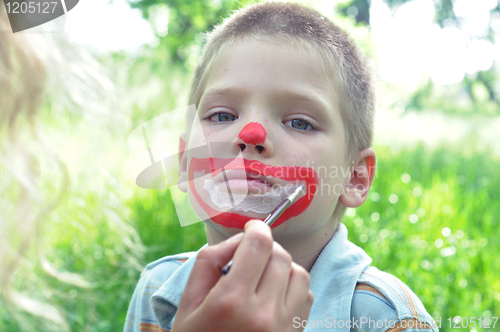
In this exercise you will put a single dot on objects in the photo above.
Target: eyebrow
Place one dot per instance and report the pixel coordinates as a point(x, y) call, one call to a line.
point(224, 92)
point(287, 96)
point(292, 97)
point(322, 111)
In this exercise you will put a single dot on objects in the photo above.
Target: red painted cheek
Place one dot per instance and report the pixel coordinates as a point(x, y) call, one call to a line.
point(253, 133)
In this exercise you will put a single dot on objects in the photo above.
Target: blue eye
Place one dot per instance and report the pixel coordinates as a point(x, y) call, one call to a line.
point(300, 124)
point(221, 117)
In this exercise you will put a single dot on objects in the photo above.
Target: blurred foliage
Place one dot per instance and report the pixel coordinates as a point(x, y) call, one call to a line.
point(479, 88)
point(358, 9)
point(187, 21)
point(158, 226)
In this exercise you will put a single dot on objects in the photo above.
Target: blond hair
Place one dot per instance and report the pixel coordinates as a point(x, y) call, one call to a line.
point(295, 23)
point(22, 82)
point(33, 177)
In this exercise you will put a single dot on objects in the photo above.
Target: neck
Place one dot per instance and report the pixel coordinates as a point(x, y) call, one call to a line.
point(304, 248)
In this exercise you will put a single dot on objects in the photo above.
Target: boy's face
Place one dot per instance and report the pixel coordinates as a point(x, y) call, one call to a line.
point(272, 103)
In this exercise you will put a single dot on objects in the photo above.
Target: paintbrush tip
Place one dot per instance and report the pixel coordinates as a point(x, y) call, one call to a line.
point(296, 193)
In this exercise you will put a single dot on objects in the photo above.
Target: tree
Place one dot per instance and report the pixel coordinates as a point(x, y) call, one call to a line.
point(187, 20)
point(446, 16)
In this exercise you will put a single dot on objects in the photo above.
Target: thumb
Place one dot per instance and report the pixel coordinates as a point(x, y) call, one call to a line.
point(206, 272)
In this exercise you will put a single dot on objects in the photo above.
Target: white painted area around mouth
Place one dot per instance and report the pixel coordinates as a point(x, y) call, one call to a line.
point(258, 203)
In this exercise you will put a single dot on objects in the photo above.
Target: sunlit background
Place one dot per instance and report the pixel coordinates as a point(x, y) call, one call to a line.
point(432, 55)
point(431, 218)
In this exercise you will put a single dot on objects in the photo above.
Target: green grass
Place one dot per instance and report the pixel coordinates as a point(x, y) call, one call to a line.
point(448, 254)
point(158, 226)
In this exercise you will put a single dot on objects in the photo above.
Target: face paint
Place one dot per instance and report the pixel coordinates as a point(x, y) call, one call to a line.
point(258, 203)
point(293, 174)
point(253, 133)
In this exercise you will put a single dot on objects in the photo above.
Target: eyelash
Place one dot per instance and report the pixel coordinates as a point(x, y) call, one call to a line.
point(209, 118)
point(307, 122)
point(309, 125)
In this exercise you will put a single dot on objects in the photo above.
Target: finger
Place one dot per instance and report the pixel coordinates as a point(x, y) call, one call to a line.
point(297, 294)
point(206, 271)
point(304, 313)
point(274, 281)
point(306, 309)
point(251, 257)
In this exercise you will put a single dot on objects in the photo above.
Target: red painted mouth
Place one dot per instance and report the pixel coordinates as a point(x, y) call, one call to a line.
point(287, 173)
point(242, 180)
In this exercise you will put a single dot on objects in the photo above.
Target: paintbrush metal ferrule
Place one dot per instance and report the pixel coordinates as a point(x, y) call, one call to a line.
point(278, 211)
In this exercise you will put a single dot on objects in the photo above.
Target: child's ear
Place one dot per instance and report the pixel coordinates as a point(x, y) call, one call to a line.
point(182, 182)
point(360, 181)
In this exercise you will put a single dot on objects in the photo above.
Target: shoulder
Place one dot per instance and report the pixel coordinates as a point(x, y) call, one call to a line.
point(167, 263)
point(152, 278)
point(156, 273)
point(382, 302)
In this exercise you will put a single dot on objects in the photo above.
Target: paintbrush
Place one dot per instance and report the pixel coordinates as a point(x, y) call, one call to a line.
point(273, 216)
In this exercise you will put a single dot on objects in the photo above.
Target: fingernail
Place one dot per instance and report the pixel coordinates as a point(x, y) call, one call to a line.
point(236, 237)
point(252, 221)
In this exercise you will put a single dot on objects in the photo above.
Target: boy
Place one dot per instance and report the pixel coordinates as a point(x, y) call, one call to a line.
point(290, 93)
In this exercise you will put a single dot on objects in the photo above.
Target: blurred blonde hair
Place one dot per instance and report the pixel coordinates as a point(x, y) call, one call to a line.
point(23, 79)
point(25, 204)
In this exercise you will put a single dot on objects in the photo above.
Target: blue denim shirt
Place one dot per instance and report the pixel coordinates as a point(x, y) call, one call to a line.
point(383, 304)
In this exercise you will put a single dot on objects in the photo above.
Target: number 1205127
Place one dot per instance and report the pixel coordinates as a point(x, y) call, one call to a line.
point(472, 322)
point(30, 7)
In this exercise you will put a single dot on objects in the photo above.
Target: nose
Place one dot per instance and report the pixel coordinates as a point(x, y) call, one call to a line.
point(252, 139)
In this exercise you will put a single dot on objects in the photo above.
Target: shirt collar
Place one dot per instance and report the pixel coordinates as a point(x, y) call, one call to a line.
point(166, 299)
point(334, 276)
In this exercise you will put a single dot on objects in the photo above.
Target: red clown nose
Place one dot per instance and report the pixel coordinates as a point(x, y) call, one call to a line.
point(253, 133)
